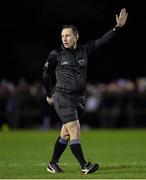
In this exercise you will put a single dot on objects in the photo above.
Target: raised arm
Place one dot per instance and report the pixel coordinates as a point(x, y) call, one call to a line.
point(120, 22)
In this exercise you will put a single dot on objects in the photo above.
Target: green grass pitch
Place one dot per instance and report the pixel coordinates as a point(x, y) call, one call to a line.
point(121, 154)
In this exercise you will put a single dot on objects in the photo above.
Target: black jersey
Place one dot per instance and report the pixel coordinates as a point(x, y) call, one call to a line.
point(69, 66)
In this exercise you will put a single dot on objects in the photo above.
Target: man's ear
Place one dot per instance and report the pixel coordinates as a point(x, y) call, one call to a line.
point(77, 37)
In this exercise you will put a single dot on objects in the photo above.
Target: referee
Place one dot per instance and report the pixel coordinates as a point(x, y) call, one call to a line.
point(69, 64)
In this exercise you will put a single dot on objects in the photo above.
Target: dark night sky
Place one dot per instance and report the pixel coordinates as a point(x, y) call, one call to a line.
point(30, 29)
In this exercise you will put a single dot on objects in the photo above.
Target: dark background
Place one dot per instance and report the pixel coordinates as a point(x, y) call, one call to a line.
point(30, 29)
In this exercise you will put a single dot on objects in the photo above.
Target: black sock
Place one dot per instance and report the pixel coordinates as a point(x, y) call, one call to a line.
point(59, 148)
point(77, 151)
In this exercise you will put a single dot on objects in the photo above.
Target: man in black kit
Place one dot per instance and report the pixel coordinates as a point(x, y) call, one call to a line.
point(69, 62)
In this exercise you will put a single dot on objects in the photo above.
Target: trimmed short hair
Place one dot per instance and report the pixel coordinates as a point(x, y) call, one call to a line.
point(74, 29)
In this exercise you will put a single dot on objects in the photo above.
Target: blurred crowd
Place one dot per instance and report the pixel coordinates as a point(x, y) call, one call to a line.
point(118, 103)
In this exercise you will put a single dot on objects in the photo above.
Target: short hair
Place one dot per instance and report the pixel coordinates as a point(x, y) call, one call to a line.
point(74, 29)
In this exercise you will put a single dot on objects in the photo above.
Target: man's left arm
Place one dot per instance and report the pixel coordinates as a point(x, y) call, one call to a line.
point(120, 22)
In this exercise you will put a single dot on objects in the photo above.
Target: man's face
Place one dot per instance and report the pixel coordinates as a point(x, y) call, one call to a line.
point(69, 39)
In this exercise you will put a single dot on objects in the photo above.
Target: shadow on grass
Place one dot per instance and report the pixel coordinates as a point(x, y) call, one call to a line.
point(117, 169)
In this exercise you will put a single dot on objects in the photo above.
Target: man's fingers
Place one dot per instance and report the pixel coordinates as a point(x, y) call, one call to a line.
point(49, 100)
point(117, 18)
point(123, 12)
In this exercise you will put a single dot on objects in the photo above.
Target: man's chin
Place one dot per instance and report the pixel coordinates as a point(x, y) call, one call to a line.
point(66, 46)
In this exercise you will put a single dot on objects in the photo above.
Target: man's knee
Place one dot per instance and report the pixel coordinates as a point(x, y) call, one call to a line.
point(73, 129)
point(64, 133)
point(65, 136)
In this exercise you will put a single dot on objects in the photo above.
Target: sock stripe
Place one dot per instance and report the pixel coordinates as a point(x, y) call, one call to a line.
point(74, 141)
point(63, 141)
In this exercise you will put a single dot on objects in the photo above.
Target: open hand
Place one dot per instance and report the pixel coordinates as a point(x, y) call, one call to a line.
point(121, 19)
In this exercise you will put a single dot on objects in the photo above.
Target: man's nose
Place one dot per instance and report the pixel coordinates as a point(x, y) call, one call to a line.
point(64, 38)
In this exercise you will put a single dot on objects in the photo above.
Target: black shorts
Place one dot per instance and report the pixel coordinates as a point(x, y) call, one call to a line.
point(69, 107)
